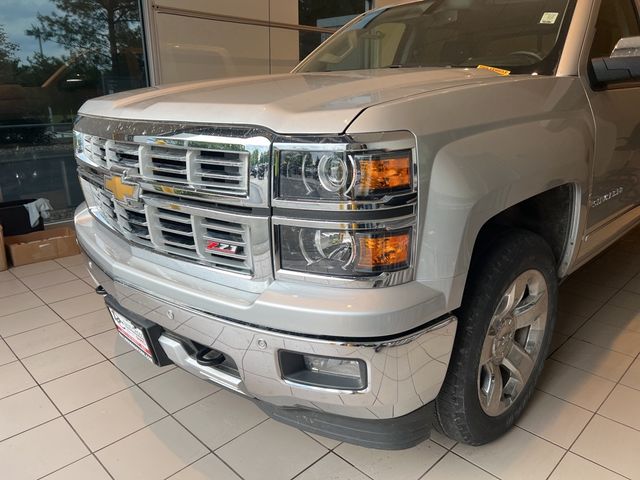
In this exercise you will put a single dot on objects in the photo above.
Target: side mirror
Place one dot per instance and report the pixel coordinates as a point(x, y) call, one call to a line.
point(622, 66)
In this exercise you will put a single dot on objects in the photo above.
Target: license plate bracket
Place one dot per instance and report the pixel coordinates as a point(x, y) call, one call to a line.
point(142, 334)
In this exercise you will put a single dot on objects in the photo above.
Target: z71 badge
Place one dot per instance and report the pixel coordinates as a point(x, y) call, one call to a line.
point(221, 247)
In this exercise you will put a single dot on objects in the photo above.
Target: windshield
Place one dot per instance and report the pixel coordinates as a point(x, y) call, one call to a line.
point(522, 36)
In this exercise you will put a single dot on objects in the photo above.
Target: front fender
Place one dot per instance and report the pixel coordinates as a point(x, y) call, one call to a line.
point(483, 149)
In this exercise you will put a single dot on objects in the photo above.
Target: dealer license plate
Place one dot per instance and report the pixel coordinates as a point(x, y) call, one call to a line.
point(133, 334)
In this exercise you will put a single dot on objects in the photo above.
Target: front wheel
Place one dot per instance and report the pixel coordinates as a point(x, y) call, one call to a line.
point(504, 332)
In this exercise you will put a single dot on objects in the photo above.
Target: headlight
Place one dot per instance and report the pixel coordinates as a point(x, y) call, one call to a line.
point(345, 208)
point(342, 176)
point(344, 253)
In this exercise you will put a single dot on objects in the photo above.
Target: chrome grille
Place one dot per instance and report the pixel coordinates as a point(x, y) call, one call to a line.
point(133, 221)
point(187, 163)
point(108, 153)
point(192, 232)
point(122, 154)
point(200, 192)
point(225, 169)
point(130, 221)
point(199, 235)
point(94, 149)
point(162, 163)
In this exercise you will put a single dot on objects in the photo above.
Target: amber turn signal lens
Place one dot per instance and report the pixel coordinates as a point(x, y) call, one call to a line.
point(385, 173)
point(384, 252)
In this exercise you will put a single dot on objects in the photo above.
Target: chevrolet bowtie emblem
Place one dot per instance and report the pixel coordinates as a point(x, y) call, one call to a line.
point(122, 192)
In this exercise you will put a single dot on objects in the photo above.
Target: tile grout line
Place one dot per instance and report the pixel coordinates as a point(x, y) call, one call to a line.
point(56, 314)
point(186, 466)
point(33, 329)
point(471, 463)
point(327, 453)
point(350, 463)
point(434, 464)
point(317, 441)
point(594, 414)
point(18, 392)
point(73, 463)
point(35, 292)
point(63, 417)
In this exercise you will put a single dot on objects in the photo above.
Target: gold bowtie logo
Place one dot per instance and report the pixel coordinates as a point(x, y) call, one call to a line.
point(121, 191)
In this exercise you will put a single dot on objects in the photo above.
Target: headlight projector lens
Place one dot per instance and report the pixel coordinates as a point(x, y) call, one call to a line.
point(318, 245)
point(333, 173)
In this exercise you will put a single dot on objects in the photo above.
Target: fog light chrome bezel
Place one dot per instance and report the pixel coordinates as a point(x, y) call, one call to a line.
point(294, 372)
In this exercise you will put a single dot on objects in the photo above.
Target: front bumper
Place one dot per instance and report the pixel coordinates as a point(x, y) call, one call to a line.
point(404, 372)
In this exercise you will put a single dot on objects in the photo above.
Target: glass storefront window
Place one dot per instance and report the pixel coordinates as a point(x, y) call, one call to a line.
point(327, 14)
point(55, 55)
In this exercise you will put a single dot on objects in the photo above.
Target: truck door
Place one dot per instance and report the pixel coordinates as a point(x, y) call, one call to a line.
point(616, 171)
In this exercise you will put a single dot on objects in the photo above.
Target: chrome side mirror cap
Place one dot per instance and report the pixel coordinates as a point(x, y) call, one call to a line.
point(627, 47)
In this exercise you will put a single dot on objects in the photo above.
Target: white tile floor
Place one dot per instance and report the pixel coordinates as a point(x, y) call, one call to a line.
point(77, 403)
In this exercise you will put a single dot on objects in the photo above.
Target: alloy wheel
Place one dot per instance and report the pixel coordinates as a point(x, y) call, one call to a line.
point(513, 342)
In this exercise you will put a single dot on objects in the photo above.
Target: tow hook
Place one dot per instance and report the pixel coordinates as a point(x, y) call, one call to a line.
point(209, 358)
point(101, 291)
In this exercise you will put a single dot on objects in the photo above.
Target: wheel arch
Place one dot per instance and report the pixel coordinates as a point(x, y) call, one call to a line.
point(552, 214)
point(558, 206)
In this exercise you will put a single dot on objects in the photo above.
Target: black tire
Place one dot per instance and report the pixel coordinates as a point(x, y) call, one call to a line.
point(459, 413)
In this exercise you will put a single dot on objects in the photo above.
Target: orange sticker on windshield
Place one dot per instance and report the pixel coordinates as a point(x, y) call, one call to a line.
point(499, 71)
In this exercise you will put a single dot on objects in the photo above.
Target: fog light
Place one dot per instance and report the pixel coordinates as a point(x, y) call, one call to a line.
point(324, 372)
point(332, 366)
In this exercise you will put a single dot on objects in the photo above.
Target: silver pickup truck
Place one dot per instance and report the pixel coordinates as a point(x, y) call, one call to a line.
point(371, 246)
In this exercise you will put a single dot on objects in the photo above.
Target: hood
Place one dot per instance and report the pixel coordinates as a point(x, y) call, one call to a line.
point(292, 103)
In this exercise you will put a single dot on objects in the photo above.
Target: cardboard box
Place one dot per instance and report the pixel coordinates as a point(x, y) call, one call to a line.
point(3, 254)
point(39, 246)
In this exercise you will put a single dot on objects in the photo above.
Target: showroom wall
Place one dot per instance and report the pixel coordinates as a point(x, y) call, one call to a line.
point(198, 39)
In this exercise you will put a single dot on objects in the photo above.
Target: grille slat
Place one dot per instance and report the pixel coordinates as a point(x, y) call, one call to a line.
point(225, 227)
point(178, 244)
point(169, 156)
point(136, 222)
point(218, 176)
point(172, 171)
point(220, 162)
point(177, 232)
point(172, 218)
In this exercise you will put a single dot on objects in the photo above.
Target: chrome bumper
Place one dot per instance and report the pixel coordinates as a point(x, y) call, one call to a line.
point(404, 372)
